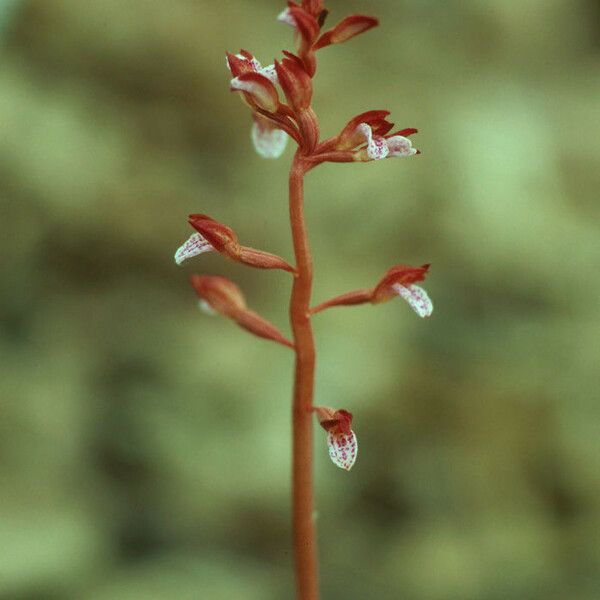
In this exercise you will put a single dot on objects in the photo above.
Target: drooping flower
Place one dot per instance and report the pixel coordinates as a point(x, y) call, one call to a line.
point(341, 440)
point(398, 281)
point(211, 235)
point(401, 281)
point(383, 146)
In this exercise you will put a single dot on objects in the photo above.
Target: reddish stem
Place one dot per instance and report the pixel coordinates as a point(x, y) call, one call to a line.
point(305, 547)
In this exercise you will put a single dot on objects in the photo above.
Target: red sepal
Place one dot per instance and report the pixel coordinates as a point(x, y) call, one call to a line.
point(237, 65)
point(295, 83)
point(308, 29)
point(222, 238)
point(346, 29)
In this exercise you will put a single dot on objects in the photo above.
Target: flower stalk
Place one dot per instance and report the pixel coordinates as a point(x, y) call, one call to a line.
point(280, 98)
point(305, 547)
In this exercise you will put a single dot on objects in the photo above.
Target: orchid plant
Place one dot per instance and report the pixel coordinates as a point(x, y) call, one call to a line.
point(365, 138)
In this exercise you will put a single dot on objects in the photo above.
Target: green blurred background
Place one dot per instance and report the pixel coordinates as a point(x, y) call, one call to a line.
point(145, 447)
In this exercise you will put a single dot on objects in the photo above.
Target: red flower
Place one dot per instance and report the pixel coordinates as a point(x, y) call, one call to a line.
point(212, 235)
point(398, 281)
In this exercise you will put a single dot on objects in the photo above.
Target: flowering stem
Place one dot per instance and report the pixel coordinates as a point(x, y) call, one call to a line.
point(305, 548)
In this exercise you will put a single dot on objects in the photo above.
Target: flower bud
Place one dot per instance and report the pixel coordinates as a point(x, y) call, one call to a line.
point(346, 29)
point(258, 91)
point(221, 294)
point(308, 29)
point(306, 24)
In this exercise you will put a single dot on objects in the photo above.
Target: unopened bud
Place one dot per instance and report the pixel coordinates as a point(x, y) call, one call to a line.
point(221, 294)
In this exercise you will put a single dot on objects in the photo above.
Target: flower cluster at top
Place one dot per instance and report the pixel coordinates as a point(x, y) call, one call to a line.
point(365, 138)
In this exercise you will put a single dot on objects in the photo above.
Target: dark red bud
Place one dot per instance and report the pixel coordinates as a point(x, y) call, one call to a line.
point(306, 24)
point(322, 17)
point(308, 29)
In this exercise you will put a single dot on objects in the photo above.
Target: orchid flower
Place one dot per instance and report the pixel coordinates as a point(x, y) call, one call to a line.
point(397, 281)
point(379, 147)
point(341, 440)
point(211, 235)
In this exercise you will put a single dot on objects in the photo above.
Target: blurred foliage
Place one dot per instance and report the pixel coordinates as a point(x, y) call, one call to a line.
point(145, 448)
